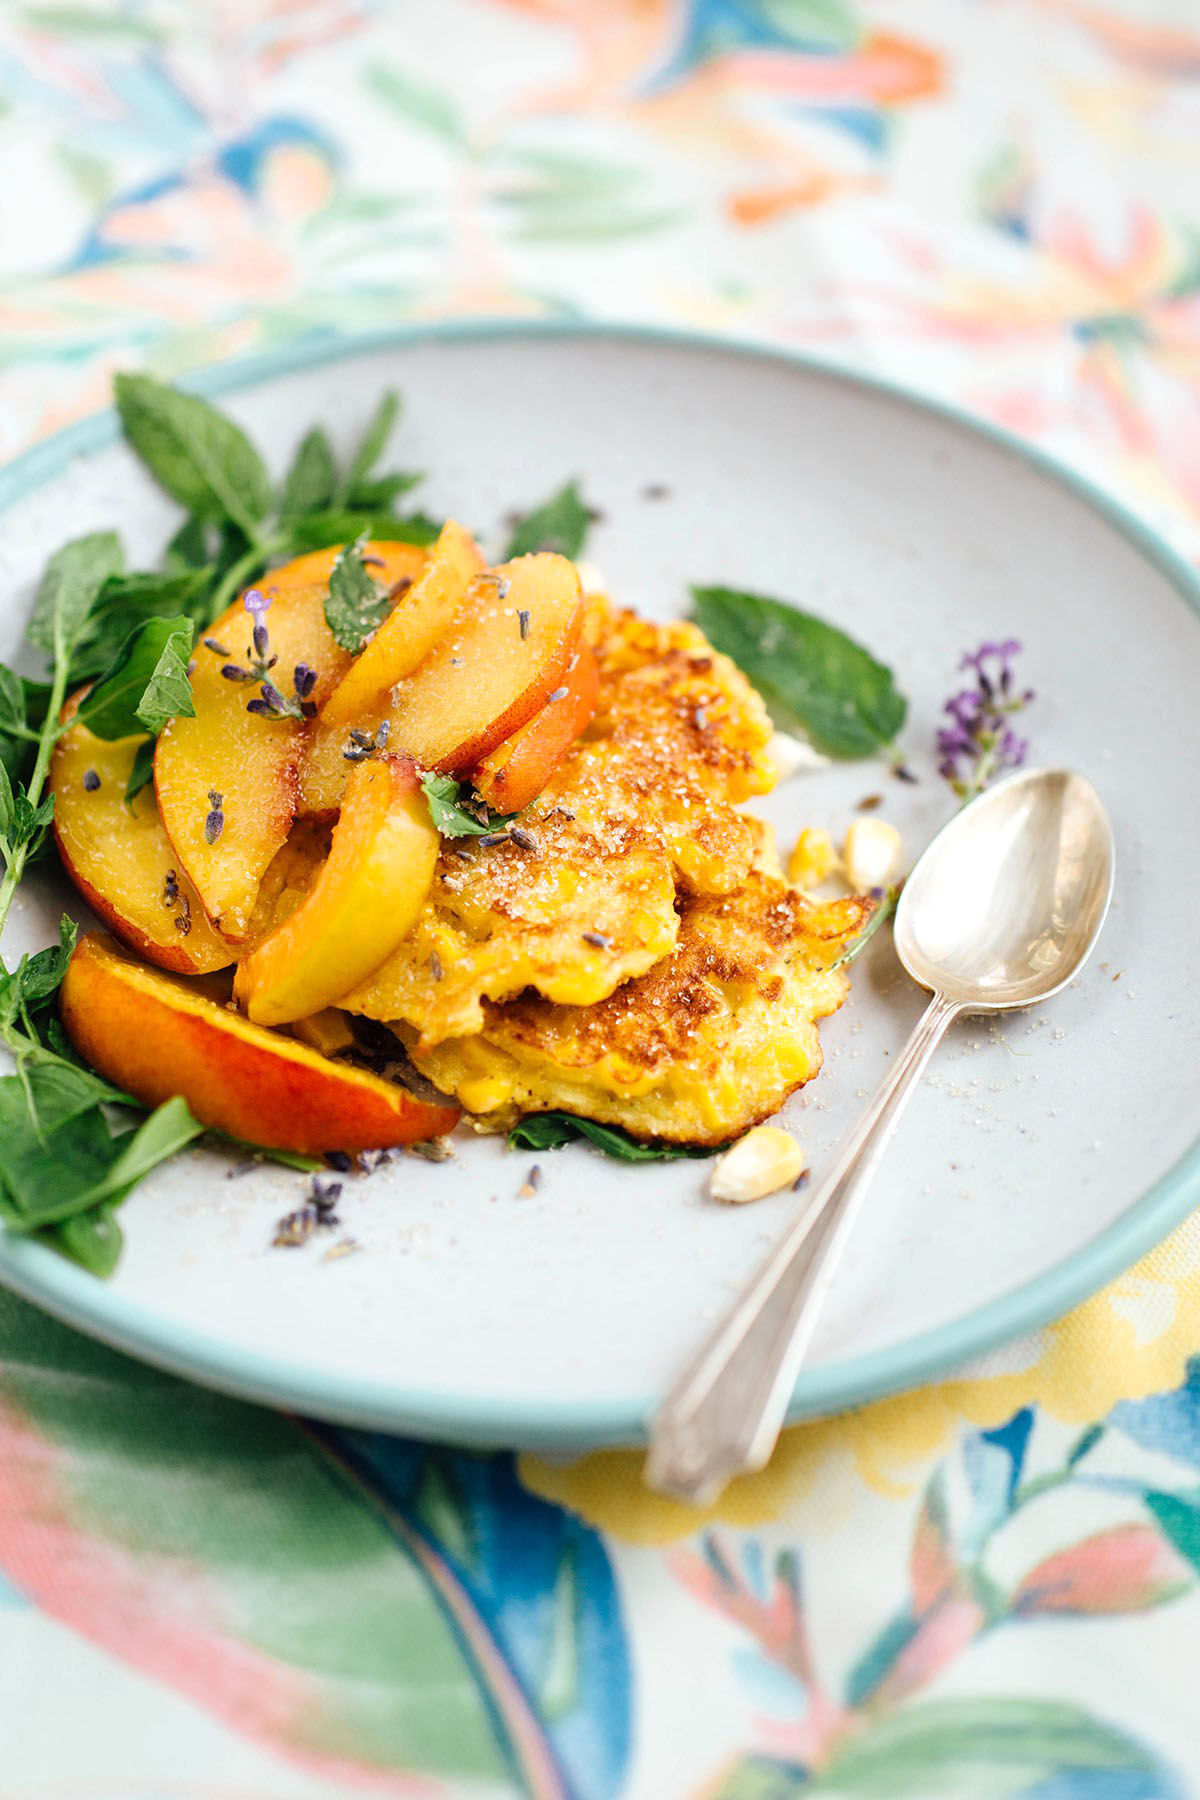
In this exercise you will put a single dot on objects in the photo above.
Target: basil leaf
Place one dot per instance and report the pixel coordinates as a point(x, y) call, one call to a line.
point(312, 478)
point(142, 772)
point(551, 1130)
point(146, 685)
point(371, 444)
point(92, 1238)
point(560, 523)
point(357, 605)
point(198, 455)
point(452, 819)
point(810, 674)
point(73, 579)
point(316, 531)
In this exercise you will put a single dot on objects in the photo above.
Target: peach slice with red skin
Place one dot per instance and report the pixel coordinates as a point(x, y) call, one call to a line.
point(154, 1036)
point(515, 773)
point(495, 668)
point(251, 762)
point(364, 899)
point(120, 858)
point(419, 617)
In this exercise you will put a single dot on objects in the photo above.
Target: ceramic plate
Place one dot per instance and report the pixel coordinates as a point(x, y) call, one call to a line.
point(1039, 1158)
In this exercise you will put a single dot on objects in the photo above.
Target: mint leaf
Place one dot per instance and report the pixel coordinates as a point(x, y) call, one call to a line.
point(73, 579)
point(316, 531)
point(188, 549)
point(142, 772)
point(312, 478)
point(29, 821)
point(40, 975)
point(92, 1238)
point(378, 493)
point(809, 673)
point(125, 599)
point(450, 815)
point(551, 1130)
point(193, 451)
point(371, 445)
point(357, 604)
point(146, 685)
point(560, 523)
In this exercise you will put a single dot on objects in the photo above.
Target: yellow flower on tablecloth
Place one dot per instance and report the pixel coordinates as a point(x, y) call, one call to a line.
point(1131, 1339)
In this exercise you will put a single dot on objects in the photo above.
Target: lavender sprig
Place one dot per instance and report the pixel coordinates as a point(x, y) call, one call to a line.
point(979, 742)
point(270, 701)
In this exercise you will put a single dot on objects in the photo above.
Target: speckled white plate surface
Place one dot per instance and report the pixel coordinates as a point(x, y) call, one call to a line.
point(1039, 1158)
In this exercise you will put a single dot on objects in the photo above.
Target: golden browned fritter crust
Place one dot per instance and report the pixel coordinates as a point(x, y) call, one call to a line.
point(708, 1042)
point(584, 898)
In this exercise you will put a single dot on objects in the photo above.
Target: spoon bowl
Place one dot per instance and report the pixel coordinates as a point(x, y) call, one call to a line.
point(1004, 906)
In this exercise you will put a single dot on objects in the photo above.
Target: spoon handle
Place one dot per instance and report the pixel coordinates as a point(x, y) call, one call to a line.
point(725, 1412)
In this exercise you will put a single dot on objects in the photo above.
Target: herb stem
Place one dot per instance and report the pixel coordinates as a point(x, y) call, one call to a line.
point(47, 738)
point(856, 946)
point(245, 568)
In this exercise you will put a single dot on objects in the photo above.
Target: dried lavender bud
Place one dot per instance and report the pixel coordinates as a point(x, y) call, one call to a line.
point(339, 1160)
point(214, 823)
point(183, 918)
point(434, 1150)
point(355, 753)
point(170, 893)
point(217, 649)
point(560, 693)
point(523, 622)
point(598, 940)
point(304, 680)
point(435, 965)
point(524, 838)
point(91, 780)
point(363, 739)
point(381, 733)
point(295, 1228)
point(235, 672)
point(492, 837)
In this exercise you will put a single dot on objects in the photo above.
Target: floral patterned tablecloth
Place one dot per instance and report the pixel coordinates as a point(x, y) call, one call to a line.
point(989, 1588)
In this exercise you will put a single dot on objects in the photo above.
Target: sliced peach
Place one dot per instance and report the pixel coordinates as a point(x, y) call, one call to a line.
point(251, 762)
point(419, 617)
point(495, 668)
point(154, 1036)
point(515, 773)
point(365, 898)
point(120, 858)
point(325, 768)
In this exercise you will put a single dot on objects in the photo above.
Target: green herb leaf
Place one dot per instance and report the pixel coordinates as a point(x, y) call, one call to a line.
point(28, 823)
point(6, 803)
point(198, 455)
point(92, 1238)
point(446, 809)
point(312, 479)
point(126, 599)
point(189, 548)
point(316, 531)
point(74, 577)
point(551, 1130)
point(357, 604)
point(560, 523)
point(146, 685)
point(40, 975)
point(377, 494)
point(810, 674)
point(142, 772)
point(371, 445)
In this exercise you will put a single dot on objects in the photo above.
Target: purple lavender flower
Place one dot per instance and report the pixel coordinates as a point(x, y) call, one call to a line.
point(979, 742)
point(214, 823)
point(257, 604)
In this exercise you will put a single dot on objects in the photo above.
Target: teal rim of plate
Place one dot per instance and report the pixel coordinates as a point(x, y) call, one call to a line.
point(84, 1301)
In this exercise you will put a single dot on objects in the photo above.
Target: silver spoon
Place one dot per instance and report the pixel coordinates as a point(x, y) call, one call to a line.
point(1001, 911)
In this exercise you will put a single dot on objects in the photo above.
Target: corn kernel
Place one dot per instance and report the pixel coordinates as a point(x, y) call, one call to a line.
point(813, 860)
point(766, 1159)
point(484, 1093)
point(871, 852)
